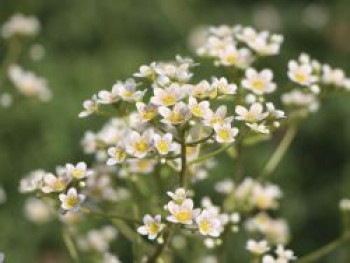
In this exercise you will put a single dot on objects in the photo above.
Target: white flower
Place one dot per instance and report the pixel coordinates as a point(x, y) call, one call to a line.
point(20, 25)
point(109, 97)
point(223, 87)
point(116, 155)
point(146, 71)
point(78, 171)
point(28, 83)
point(254, 114)
point(284, 254)
point(90, 106)
point(164, 144)
point(139, 145)
point(259, 82)
point(301, 99)
point(257, 247)
point(127, 90)
point(259, 128)
point(231, 56)
point(225, 133)
point(344, 205)
point(37, 211)
point(152, 226)
point(301, 73)
point(198, 109)
point(71, 200)
point(209, 224)
point(225, 186)
point(269, 259)
point(33, 181)
point(178, 196)
point(182, 213)
point(168, 96)
point(219, 117)
point(266, 197)
point(276, 114)
point(53, 183)
point(332, 76)
point(179, 114)
point(146, 111)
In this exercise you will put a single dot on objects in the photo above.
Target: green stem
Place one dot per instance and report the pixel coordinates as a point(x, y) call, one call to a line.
point(12, 54)
point(183, 160)
point(70, 245)
point(279, 152)
point(160, 248)
point(210, 155)
point(323, 251)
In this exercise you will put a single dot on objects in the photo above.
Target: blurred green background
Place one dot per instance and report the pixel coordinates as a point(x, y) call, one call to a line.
point(92, 43)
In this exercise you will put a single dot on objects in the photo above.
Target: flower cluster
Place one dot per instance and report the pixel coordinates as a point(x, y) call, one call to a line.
point(25, 82)
point(259, 248)
point(65, 184)
point(312, 81)
point(169, 125)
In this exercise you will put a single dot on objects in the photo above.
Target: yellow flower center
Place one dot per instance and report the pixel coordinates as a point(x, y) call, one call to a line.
point(258, 85)
point(119, 154)
point(72, 201)
point(59, 185)
point(175, 117)
point(263, 201)
point(148, 115)
point(153, 228)
point(197, 111)
point(163, 146)
point(224, 134)
point(183, 216)
point(300, 77)
point(168, 99)
point(141, 146)
point(232, 59)
point(216, 120)
point(128, 93)
point(204, 226)
point(78, 173)
point(250, 116)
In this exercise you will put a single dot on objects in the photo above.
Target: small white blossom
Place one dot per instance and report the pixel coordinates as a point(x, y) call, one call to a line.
point(182, 213)
point(259, 82)
point(223, 87)
point(164, 144)
point(257, 247)
point(276, 114)
point(116, 154)
point(152, 226)
point(53, 183)
point(232, 56)
point(225, 133)
point(284, 254)
point(254, 114)
point(168, 96)
point(71, 200)
point(225, 186)
point(20, 25)
point(179, 195)
point(147, 112)
point(259, 128)
point(218, 117)
point(198, 109)
point(301, 73)
point(139, 145)
point(37, 211)
point(144, 166)
point(78, 171)
point(179, 114)
point(127, 90)
point(90, 106)
point(209, 224)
